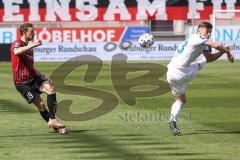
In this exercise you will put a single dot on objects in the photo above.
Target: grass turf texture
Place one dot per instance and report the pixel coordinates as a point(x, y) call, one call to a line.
point(210, 122)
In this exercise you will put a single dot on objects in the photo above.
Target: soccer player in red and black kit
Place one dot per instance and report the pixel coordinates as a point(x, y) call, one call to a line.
point(29, 81)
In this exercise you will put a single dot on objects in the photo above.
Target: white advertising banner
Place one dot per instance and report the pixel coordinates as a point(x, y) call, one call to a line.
point(229, 35)
point(161, 50)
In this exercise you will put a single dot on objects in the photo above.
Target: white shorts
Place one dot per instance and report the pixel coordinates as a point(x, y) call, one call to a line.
point(178, 80)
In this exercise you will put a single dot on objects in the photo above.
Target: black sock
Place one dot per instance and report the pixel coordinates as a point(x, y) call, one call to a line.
point(51, 101)
point(45, 115)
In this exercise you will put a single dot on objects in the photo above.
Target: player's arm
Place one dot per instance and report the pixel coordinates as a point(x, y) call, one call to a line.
point(212, 57)
point(222, 50)
point(22, 50)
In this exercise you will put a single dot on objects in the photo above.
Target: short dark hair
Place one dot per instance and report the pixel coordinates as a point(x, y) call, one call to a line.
point(205, 25)
point(24, 27)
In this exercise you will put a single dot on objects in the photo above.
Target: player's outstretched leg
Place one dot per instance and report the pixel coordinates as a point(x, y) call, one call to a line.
point(52, 103)
point(53, 123)
point(48, 88)
point(45, 115)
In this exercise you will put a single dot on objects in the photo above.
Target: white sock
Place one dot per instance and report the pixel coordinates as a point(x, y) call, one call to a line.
point(176, 109)
point(202, 63)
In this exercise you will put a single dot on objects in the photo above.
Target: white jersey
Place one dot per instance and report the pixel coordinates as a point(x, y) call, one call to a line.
point(187, 52)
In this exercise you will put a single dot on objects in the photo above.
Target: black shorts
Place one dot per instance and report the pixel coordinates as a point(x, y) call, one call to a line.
point(31, 89)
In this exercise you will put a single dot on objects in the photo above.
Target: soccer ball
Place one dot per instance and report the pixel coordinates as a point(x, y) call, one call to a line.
point(146, 40)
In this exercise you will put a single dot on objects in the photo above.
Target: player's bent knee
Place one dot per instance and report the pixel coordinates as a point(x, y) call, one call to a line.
point(183, 100)
point(51, 91)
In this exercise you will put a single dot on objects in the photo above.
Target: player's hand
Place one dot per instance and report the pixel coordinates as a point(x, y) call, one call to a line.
point(36, 43)
point(227, 47)
point(230, 57)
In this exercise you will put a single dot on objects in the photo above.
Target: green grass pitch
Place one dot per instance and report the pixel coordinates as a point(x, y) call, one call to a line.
point(209, 122)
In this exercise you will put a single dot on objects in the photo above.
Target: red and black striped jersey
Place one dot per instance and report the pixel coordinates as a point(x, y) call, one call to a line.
point(22, 65)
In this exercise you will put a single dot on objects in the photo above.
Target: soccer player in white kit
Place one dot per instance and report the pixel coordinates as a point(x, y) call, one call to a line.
point(183, 67)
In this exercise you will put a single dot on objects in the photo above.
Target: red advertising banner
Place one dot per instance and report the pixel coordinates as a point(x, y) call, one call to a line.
point(109, 10)
point(106, 34)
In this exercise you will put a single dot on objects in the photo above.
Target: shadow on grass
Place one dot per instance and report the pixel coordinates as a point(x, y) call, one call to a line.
point(214, 132)
point(13, 107)
point(214, 102)
point(52, 133)
point(89, 145)
point(204, 159)
point(219, 128)
point(26, 135)
point(85, 144)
